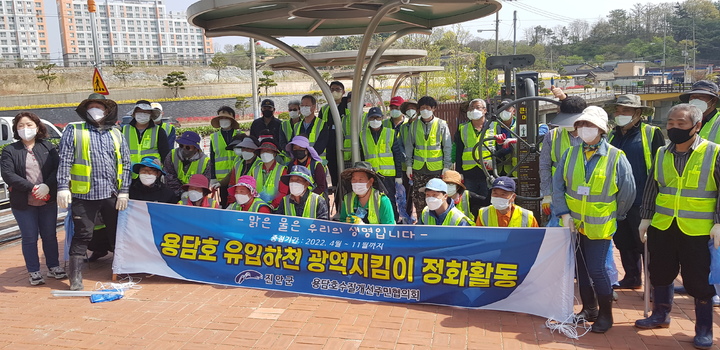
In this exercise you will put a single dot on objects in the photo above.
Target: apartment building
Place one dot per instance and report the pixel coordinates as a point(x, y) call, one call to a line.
point(23, 35)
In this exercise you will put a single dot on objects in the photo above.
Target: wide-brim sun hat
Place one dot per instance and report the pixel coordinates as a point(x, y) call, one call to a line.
point(150, 162)
point(632, 101)
point(298, 170)
point(302, 141)
point(596, 116)
point(215, 122)
point(702, 87)
point(245, 181)
point(268, 146)
point(246, 142)
point(404, 105)
point(454, 177)
point(198, 180)
point(147, 107)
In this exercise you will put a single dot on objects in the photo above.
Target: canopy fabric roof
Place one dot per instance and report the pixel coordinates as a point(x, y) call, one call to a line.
point(409, 70)
point(344, 58)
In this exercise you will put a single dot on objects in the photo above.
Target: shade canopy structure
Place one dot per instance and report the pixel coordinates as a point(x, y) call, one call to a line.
point(267, 20)
point(344, 58)
point(402, 72)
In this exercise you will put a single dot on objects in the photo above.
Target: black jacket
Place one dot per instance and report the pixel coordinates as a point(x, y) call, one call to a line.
point(12, 164)
point(158, 192)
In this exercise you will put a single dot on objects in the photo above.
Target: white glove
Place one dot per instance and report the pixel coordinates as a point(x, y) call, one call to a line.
point(715, 235)
point(64, 197)
point(444, 171)
point(41, 190)
point(214, 183)
point(398, 180)
point(184, 195)
point(488, 164)
point(545, 205)
point(568, 222)
point(409, 172)
point(644, 225)
point(122, 201)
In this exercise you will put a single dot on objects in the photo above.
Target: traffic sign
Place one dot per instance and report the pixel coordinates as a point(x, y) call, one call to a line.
point(98, 83)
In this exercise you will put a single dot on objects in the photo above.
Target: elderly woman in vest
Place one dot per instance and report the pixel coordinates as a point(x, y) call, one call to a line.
point(467, 202)
point(246, 197)
point(268, 171)
point(302, 201)
point(593, 187)
point(366, 202)
point(197, 193)
point(186, 160)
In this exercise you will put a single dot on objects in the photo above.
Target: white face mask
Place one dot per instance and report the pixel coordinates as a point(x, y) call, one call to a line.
point(147, 179)
point(142, 118)
point(247, 155)
point(426, 114)
point(337, 95)
point(296, 189)
point(267, 157)
point(588, 134)
point(433, 202)
point(305, 111)
point(699, 104)
point(225, 123)
point(395, 113)
point(410, 113)
point(505, 116)
point(622, 120)
point(96, 113)
point(194, 196)
point(452, 189)
point(294, 114)
point(27, 134)
point(375, 123)
point(360, 188)
point(475, 114)
point(500, 203)
point(242, 198)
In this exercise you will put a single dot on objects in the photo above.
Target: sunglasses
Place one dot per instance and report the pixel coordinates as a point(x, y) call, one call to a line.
point(294, 110)
point(187, 147)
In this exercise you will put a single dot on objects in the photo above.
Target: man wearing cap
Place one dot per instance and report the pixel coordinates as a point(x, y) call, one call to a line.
point(466, 201)
point(221, 158)
point(149, 186)
point(268, 121)
point(439, 209)
point(165, 124)
point(185, 161)
point(366, 203)
point(197, 192)
point(704, 95)
point(287, 126)
point(593, 188)
point(639, 141)
point(409, 110)
point(95, 155)
point(466, 139)
point(554, 144)
point(268, 171)
point(312, 127)
point(144, 138)
point(396, 116)
point(246, 197)
point(301, 201)
point(303, 154)
point(503, 212)
point(680, 214)
point(245, 147)
point(381, 148)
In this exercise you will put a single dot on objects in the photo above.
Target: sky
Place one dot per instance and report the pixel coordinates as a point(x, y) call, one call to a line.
point(548, 13)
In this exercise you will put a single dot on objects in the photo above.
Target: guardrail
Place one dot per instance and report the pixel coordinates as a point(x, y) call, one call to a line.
point(655, 88)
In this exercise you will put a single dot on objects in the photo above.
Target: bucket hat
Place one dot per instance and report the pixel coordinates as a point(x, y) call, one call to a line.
point(190, 138)
point(302, 141)
point(633, 101)
point(245, 181)
point(150, 162)
point(595, 115)
point(454, 177)
point(268, 146)
point(198, 180)
point(406, 103)
point(704, 87)
point(298, 170)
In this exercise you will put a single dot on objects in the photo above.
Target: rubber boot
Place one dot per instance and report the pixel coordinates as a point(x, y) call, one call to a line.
point(589, 311)
point(662, 305)
point(605, 317)
point(703, 324)
point(75, 272)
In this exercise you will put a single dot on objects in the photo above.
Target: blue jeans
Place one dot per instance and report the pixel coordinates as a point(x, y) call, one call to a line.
point(34, 222)
point(590, 261)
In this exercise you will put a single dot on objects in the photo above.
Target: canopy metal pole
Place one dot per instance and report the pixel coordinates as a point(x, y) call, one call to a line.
point(396, 86)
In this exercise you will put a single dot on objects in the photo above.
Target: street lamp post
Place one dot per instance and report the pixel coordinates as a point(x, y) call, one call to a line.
point(497, 31)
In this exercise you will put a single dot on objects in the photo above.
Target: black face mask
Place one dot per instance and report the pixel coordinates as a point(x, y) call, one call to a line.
point(187, 154)
point(267, 114)
point(677, 136)
point(299, 153)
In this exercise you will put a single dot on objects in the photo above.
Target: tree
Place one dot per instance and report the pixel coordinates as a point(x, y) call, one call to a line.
point(219, 62)
point(122, 70)
point(327, 76)
point(267, 82)
point(46, 75)
point(481, 83)
point(175, 81)
point(242, 104)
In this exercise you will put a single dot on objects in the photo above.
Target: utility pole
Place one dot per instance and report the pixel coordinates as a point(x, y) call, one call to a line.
point(253, 75)
point(96, 49)
point(515, 32)
point(664, 37)
point(497, 33)
point(692, 75)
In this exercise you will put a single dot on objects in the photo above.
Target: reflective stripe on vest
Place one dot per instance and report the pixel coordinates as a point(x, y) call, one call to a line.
point(596, 212)
point(373, 205)
point(428, 151)
point(453, 218)
point(465, 205)
point(147, 146)
point(286, 127)
point(558, 145)
point(315, 129)
point(82, 168)
point(520, 217)
point(690, 198)
point(267, 184)
point(240, 165)
point(309, 209)
point(646, 135)
point(379, 154)
point(470, 138)
point(254, 206)
point(207, 202)
point(196, 167)
point(711, 130)
point(224, 159)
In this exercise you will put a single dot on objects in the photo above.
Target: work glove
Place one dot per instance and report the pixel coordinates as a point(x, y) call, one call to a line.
point(444, 171)
point(409, 172)
point(64, 198)
point(122, 201)
point(715, 235)
point(545, 204)
point(500, 138)
point(568, 222)
point(488, 164)
point(398, 180)
point(558, 92)
point(643, 228)
point(509, 142)
point(214, 183)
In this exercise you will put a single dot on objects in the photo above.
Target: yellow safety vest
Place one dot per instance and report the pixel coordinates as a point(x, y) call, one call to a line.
point(691, 198)
point(267, 183)
point(147, 147)
point(464, 205)
point(254, 206)
point(470, 138)
point(520, 217)
point(711, 130)
point(373, 205)
point(82, 168)
point(286, 127)
point(453, 218)
point(507, 167)
point(379, 154)
point(240, 166)
point(196, 167)
point(224, 159)
point(388, 123)
point(595, 212)
point(428, 149)
point(309, 209)
point(558, 145)
point(646, 134)
point(169, 129)
point(315, 129)
point(346, 122)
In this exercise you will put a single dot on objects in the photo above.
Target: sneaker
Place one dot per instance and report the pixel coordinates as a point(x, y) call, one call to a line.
point(57, 272)
point(36, 278)
point(716, 301)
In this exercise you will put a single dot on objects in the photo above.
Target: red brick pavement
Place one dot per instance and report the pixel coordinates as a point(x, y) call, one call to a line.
point(172, 314)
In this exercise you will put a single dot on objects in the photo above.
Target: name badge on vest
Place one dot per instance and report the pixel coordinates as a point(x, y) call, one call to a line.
point(583, 190)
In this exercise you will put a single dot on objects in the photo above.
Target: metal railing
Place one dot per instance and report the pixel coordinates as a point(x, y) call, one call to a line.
point(655, 88)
